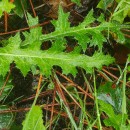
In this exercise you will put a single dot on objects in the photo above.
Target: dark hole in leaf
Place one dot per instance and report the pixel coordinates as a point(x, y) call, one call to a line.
point(70, 45)
point(46, 45)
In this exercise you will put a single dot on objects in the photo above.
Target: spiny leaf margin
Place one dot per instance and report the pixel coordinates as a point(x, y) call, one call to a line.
point(95, 34)
point(25, 58)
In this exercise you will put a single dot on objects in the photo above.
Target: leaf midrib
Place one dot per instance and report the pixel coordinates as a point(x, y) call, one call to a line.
point(70, 32)
point(56, 58)
point(38, 57)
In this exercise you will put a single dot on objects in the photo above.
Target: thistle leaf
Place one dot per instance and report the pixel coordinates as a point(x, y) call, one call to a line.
point(94, 35)
point(27, 53)
point(25, 58)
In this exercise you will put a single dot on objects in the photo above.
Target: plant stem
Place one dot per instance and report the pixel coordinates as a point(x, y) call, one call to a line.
point(96, 102)
point(124, 94)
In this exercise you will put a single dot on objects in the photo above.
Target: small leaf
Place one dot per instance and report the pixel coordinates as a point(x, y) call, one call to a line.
point(77, 2)
point(123, 11)
point(5, 5)
point(107, 108)
point(113, 119)
point(33, 120)
point(111, 95)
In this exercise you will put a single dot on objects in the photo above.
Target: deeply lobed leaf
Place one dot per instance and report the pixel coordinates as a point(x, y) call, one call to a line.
point(86, 33)
point(25, 58)
point(27, 53)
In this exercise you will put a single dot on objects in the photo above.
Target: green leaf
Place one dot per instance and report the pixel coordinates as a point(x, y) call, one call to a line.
point(113, 119)
point(111, 95)
point(83, 41)
point(104, 4)
point(123, 10)
point(62, 23)
point(27, 53)
point(5, 5)
point(95, 35)
point(107, 108)
point(76, 1)
point(33, 120)
point(25, 58)
point(6, 119)
point(97, 39)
